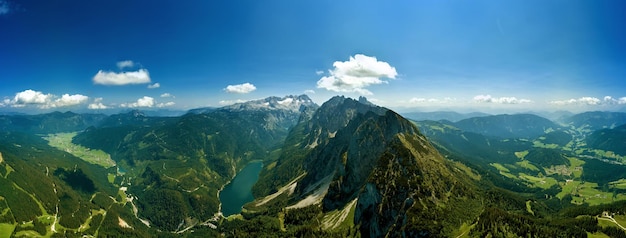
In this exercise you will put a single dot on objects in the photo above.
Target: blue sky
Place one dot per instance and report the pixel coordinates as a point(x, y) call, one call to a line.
point(407, 55)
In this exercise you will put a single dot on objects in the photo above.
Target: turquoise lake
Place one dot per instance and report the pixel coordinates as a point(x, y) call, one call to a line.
point(239, 191)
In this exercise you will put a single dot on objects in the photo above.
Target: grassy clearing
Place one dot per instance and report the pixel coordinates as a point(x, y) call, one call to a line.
point(576, 166)
point(603, 222)
point(597, 235)
point(521, 154)
point(544, 182)
point(620, 184)
point(63, 141)
point(529, 207)
point(542, 145)
point(621, 219)
point(527, 165)
point(111, 178)
point(567, 188)
point(6, 230)
point(592, 196)
point(500, 167)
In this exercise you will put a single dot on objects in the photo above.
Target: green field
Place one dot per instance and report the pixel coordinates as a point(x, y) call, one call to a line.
point(63, 141)
point(527, 165)
point(500, 167)
point(544, 182)
point(567, 188)
point(576, 166)
point(619, 184)
point(592, 196)
point(521, 154)
point(597, 235)
point(6, 230)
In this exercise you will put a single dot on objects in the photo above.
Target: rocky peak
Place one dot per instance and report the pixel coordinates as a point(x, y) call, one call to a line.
point(288, 103)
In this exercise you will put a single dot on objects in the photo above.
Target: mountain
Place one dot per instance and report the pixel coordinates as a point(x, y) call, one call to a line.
point(347, 168)
point(596, 120)
point(355, 157)
point(442, 115)
point(177, 165)
point(54, 122)
point(508, 126)
point(133, 118)
point(609, 140)
point(287, 103)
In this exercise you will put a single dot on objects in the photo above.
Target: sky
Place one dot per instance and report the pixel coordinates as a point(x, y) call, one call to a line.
point(482, 55)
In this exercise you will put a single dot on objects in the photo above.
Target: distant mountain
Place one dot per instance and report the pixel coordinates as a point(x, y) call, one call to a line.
point(609, 140)
point(442, 115)
point(352, 156)
point(288, 103)
point(508, 126)
point(54, 122)
point(202, 110)
point(553, 115)
point(596, 120)
point(133, 118)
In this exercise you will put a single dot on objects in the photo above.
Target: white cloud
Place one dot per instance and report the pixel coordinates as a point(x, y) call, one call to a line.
point(356, 74)
point(500, 100)
point(44, 101)
point(32, 97)
point(167, 95)
point(155, 85)
point(319, 72)
point(97, 104)
point(111, 78)
point(70, 100)
point(167, 104)
point(142, 102)
point(240, 88)
point(309, 91)
point(591, 101)
point(230, 102)
point(125, 64)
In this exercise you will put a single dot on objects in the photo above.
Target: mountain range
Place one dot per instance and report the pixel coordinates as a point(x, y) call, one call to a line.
point(343, 168)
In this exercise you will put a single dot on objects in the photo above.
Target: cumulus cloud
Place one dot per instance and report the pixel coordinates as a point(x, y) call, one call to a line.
point(167, 95)
point(70, 100)
point(591, 101)
point(125, 64)
point(309, 91)
point(356, 74)
point(97, 104)
point(500, 100)
point(31, 97)
point(140, 76)
point(155, 85)
point(145, 101)
point(240, 88)
point(167, 104)
point(44, 101)
point(319, 72)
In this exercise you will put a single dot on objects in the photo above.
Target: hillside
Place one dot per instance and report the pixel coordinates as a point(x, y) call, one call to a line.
point(375, 163)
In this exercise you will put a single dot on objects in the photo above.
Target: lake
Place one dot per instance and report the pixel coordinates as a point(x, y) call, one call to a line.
point(239, 191)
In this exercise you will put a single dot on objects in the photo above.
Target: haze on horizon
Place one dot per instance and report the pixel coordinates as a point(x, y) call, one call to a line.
point(489, 56)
